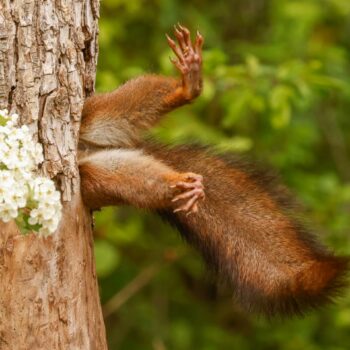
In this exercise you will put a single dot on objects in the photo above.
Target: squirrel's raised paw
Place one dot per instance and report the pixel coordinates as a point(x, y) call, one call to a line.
point(188, 59)
point(192, 190)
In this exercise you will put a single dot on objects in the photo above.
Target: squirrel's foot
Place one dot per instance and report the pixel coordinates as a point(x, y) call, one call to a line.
point(192, 191)
point(189, 60)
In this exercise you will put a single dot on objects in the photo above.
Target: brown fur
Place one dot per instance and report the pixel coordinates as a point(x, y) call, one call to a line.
point(253, 239)
point(117, 118)
point(150, 183)
point(245, 228)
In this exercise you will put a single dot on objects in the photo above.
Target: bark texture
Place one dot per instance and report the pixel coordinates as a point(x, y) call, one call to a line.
point(49, 294)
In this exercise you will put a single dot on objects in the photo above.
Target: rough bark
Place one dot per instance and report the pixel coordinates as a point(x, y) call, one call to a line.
point(49, 294)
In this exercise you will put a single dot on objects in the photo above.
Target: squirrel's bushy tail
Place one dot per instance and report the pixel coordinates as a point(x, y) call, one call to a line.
point(249, 235)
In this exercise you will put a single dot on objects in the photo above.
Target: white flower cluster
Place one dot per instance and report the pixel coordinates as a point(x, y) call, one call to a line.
point(30, 199)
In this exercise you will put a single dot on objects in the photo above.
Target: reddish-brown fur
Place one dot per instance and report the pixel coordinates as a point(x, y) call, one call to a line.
point(251, 237)
point(150, 183)
point(245, 227)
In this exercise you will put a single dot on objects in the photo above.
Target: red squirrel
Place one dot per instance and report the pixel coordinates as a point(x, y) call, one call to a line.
point(240, 220)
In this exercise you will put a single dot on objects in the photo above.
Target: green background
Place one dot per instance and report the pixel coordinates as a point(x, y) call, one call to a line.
point(276, 88)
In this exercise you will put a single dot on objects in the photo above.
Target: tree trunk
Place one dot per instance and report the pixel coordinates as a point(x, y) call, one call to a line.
point(49, 295)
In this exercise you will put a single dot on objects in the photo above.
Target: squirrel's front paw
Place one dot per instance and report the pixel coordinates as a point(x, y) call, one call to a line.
point(192, 190)
point(189, 60)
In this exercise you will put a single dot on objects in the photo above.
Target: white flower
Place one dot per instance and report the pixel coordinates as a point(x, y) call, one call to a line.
point(35, 217)
point(52, 223)
point(7, 212)
point(19, 186)
point(5, 130)
point(4, 113)
point(6, 178)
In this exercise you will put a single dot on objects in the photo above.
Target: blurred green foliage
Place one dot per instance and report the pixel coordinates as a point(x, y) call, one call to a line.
point(276, 88)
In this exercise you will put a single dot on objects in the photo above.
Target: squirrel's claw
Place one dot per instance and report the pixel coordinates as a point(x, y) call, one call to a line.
point(188, 194)
point(189, 56)
point(188, 60)
point(193, 191)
